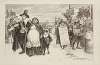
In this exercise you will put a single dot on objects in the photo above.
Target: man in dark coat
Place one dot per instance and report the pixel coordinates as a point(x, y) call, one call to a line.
point(22, 37)
point(23, 33)
point(57, 20)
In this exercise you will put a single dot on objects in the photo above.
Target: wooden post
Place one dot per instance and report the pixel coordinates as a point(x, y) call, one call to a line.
point(91, 11)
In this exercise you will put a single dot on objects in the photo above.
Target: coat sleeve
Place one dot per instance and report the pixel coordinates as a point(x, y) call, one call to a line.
point(40, 29)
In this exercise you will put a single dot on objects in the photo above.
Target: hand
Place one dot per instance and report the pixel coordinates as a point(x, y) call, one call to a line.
point(41, 36)
point(11, 29)
point(15, 25)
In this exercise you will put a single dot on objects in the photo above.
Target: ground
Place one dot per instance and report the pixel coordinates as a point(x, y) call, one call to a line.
point(57, 56)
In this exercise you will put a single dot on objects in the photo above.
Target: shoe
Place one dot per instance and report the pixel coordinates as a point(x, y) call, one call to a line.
point(48, 52)
point(30, 55)
point(73, 48)
point(22, 52)
point(78, 47)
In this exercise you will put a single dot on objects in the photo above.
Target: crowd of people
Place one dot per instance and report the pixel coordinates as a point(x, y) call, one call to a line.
point(35, 40)
point(76, 32)
point(29, 35)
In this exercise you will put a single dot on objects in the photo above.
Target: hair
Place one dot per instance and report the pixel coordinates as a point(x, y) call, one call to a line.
point(62, 22)
point(25, 10)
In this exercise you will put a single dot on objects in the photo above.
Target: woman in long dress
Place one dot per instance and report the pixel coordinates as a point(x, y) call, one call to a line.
point(33, 40)
point(13, 28)
point(64, 37)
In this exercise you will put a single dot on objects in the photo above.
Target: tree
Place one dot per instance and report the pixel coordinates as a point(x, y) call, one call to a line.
point(83, 12)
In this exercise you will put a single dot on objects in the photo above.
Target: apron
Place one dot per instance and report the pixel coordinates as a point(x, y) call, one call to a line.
point(64, 37)
point(33, 38)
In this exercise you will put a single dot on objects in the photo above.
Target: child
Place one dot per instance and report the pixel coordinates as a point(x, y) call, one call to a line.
point(46, 41)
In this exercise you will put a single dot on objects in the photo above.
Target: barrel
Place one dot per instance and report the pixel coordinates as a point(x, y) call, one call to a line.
point(89, 42)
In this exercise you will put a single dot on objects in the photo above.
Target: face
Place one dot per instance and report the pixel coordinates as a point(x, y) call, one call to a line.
point(35, 21)
point(23, 17)
point(57, 20)
point(46, 33)
point(62, 24)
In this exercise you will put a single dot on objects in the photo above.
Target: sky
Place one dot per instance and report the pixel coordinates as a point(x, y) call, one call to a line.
point(44, 12)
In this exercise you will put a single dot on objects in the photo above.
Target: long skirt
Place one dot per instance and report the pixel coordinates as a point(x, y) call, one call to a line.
point(15, 45)
point(33, 42)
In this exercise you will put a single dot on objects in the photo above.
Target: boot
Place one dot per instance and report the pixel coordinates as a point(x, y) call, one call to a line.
point(30, 52)
point(21, 52)
point(27, 51)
